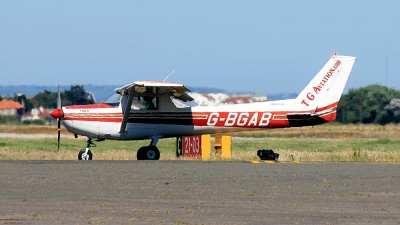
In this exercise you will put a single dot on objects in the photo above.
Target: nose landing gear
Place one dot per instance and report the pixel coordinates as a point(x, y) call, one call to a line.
point(86, 154)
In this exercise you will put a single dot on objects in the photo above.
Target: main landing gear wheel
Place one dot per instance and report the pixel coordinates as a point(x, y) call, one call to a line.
point(85, 156)
point(148, 153)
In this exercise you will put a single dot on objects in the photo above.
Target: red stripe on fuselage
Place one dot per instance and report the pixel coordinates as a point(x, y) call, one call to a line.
point(92, 106)
point(97, 119)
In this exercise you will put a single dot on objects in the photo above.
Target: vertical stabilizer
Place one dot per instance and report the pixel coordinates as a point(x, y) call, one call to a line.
point(326, 88)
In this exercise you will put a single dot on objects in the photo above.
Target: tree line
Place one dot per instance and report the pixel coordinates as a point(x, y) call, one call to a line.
point(76, 95)
point(373, 104)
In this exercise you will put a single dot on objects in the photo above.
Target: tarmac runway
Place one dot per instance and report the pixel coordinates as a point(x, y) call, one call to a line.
point(194, 192)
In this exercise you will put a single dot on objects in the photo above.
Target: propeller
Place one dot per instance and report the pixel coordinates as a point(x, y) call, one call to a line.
point(58, 114)
point(58, 119)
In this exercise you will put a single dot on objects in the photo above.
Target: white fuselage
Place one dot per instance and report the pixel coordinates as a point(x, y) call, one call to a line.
point(147, 109)
point(104, 122)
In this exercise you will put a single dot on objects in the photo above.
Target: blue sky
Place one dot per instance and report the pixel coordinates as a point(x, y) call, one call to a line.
point(261, 46)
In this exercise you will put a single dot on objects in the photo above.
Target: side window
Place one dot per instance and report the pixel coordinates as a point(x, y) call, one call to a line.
point(144, 103)
point(137, 104)
point(150, 103)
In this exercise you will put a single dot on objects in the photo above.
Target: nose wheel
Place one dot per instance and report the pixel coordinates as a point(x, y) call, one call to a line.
point(86, 154)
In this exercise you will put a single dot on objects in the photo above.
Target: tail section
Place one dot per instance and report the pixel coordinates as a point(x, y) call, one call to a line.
point(326, 88)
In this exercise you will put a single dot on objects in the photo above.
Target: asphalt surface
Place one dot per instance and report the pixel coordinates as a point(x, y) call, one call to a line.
point(191, 192)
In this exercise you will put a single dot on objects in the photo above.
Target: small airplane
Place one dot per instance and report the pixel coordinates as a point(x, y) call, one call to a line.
point(159, 109)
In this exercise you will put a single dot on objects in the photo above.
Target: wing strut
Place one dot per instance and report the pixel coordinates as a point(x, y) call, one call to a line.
point(126, 112)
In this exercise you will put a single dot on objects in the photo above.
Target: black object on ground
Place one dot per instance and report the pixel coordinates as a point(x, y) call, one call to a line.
point(267, 154)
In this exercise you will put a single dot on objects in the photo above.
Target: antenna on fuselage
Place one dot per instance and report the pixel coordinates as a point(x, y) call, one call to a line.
point(170, 73)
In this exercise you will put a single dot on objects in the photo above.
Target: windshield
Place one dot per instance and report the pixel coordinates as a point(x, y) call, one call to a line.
point(113, 99)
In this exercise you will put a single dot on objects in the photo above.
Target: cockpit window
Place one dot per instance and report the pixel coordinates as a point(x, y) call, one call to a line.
point(144, 103)
point(113, 100)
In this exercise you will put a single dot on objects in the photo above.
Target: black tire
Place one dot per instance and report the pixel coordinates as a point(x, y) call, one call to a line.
point(141, 153)
point(152, 153)
point(148, 153)
point(90, 155)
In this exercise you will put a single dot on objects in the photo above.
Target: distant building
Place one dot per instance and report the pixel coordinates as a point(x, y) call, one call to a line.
point(244, 99)
point(215, 99)
point(9, 107)
point(37, 114)
point(208, 99)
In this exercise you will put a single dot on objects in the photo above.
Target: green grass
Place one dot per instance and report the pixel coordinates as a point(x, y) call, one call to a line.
point(379, 150)
point(50, 145)
point(36, 149)
point(320, 143)
point(317, 145)
point(301, 149)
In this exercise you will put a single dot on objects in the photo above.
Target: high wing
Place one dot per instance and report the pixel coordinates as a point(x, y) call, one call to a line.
point(156, 88)
point(151, 88)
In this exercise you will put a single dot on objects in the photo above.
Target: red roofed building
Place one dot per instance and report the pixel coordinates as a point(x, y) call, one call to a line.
point(9, 107)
